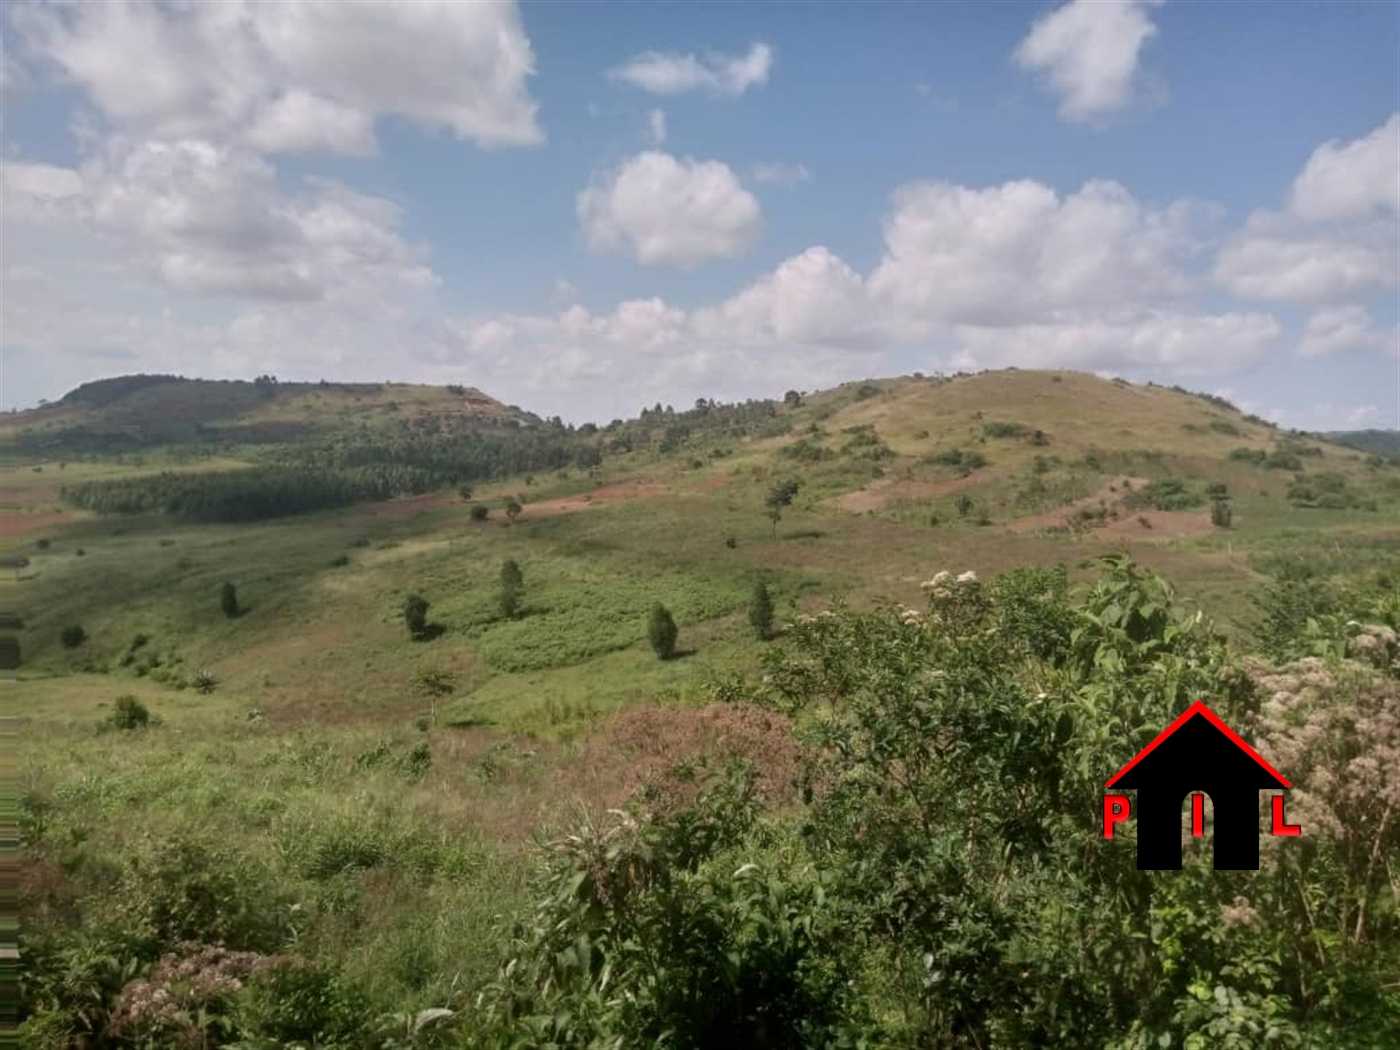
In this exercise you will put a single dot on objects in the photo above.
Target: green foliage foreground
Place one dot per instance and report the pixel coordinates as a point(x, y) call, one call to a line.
point(942, 881)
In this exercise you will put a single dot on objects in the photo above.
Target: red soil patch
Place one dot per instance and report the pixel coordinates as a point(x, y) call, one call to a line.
point(881, 493)
point(405, 507)
point(1111, 494)
point(711, 484)
point(1166, 525)
point(607, 494)
point(18, 524)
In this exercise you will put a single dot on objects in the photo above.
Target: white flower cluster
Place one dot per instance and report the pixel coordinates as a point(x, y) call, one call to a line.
point(940, 587)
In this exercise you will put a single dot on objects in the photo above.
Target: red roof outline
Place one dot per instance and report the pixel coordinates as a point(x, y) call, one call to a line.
point(1199, 708)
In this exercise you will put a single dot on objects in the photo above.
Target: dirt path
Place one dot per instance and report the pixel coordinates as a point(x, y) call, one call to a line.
point(1111, 494)
point(882, 493)
point(620, 493)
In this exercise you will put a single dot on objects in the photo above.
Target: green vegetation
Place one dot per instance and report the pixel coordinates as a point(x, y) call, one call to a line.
point(512, 588)
point(877, 824)
point(761, 611)
point(662, 632)
point(228, 600)
point(73, 636)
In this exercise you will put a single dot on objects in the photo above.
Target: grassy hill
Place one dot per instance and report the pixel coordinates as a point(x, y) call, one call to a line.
point(307, 749)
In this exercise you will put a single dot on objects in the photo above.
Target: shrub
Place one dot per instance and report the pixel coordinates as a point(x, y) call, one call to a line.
point(513, 509)
point(339, 561)
point(965, 505)
point(1257, 456)
point(866, 391)
point(204, 682)
point(1003, 429)
point(1220, 513)
point(228, 600)
point(129, 713)
point(731, 542)
point(43, 544)
point(1164, 494)
point(480, 512)
point(72, 636)
point(662, 632)
point(1281, 460)
point(1218, 490)
point(9, 652)
point(80, 553)
point(415, 616)
point(511, 589)
point(465, 491)
point(761, 611)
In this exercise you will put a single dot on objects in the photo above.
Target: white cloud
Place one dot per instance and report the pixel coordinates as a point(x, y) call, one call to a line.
point(1009, 253)
point(661, 210)
point(1355, 180)
point(1176, 342)
point(563, 292)
point(1339, 238)
point(777, 171)
point(1343, 328)
point(1087, 53)
point(14, 81)
point(656, 126)
point(210, 220)
point(811, 299)
point(299, 122)
point(267, 70)
point(670, 73)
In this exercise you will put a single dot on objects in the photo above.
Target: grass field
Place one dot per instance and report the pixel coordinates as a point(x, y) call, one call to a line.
point(322, 769)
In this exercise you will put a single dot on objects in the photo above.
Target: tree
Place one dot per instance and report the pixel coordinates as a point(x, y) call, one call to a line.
point(965, 505)
point(761, 611)
point(662, 632)
point(1221, 516)
point(72, 636)
point(415, 615)
point(434, 686)
point(780, 496)
point(513, 509)
point(480, 512)
point(512, 588)
point(228, 600)
point(792, 399)
point(465, 491)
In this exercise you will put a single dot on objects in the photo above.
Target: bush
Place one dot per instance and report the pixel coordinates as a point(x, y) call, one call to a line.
point(228, 600)
point(480, 512)
point(662, 632)
point(415, 616)
point(512, 588)
point(761, 611)
point(1004, 430)
point(72, 636)
point(1220, 513)
point(129, 713)
point(1164, 494)
point(43, 544)
point(965, 505)
point(513, 509)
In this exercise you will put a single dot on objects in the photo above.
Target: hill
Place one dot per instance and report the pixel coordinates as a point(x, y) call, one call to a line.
point(335, 732)
point(1377, 442)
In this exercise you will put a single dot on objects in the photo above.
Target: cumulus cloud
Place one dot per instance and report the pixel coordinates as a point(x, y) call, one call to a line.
point(1086, 53)
point(662, 210)
point(1007, 253)
point(1343, 328)
point(1352, 180)
point(1339, 236)
point(777, 171)
point(1180, 343)
point(273, 72)
point(671, 73)
point(211, 220)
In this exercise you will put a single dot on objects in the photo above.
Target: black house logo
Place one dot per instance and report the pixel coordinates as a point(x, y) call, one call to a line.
point(1197, 755)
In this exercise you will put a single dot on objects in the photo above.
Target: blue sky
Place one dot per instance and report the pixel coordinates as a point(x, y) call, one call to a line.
point(584, 208)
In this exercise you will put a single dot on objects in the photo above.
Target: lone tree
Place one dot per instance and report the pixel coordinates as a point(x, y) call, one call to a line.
point(480, 512)
point(228, 600)
point(662, 631)
point(72, 636)
point(1221, 516)
point(512, 588)
point(779, 496)
point(513, 509)
point(415, 615)
point(792, 399)
point(761, 611)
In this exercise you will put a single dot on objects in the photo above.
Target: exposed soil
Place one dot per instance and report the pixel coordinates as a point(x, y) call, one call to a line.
point(607, 494)
point(1166, 525)
point(13, 523)
point(882, 493)
point(1111, 494)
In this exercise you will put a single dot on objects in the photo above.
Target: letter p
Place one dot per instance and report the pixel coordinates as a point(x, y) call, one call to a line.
point(1115, 811)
